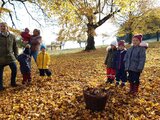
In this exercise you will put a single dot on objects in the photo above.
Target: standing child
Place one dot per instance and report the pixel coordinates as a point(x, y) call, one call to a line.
point(134, 63)
point(43, 60)
point(25, 64)
point(110, 63)
point(26, 36)
point(119, 60)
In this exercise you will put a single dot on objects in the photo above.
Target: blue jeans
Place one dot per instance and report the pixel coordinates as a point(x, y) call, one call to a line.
point(134, 77)
point(34, 54)
point(121, 75)
point(13, 68)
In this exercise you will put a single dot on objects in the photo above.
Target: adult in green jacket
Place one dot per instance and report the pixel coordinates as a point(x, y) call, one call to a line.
point(8, 54)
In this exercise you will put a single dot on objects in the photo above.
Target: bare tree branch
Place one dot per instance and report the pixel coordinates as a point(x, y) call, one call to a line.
point(30, 14)
point(100, 22)
point(14, 9)
point(13, 24)
point(3, 3)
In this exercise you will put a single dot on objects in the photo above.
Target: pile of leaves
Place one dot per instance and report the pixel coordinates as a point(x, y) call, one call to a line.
point(61, 97)
point(99, 92)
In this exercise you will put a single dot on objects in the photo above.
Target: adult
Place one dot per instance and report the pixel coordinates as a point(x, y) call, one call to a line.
point(8, 54)
point(35, 42)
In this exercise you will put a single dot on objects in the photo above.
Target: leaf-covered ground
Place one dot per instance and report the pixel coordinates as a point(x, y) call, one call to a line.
point(61, 98)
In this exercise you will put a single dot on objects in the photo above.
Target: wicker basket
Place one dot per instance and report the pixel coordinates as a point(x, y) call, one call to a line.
point(95, 102)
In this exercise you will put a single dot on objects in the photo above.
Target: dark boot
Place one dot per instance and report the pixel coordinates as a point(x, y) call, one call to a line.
point(111, 81)
point(136, 86)
point(117, 83)
point(2, 88)
point(108, 80)
point(131, 88)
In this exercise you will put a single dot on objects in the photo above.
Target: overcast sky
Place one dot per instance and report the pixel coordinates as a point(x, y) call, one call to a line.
point(48, 31)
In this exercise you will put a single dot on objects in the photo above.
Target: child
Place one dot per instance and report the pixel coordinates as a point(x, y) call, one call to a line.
point(134, 63)
point(25, 64)
point(109, 62)
point(43, 60)
point(26, 36)
point(119, 60)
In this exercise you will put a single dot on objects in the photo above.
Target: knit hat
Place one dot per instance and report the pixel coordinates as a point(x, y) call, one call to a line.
point(144, 44)
point(139, 37)
point(27, 51)
point(121, 43)
point(114, 43)
point(43, 47)
point(28, 46)
point(26, 30)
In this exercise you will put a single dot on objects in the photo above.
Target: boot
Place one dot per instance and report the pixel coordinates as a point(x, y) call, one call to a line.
point(117, 83)
point(123, 84)
point(107, 80)
point(136, 86)
point(131, 88)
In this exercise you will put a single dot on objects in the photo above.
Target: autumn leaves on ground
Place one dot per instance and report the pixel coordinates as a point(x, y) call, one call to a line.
point(61, 98)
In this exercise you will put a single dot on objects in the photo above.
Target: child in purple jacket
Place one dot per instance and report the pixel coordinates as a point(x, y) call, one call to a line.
point(120, 67)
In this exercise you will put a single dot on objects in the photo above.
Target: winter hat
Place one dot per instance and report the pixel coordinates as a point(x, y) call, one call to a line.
point(28, 46)
point(139, 37)
point(114, 43)
point(121, 43)
point(144, 44)
point(26, 30)
point(27, 51)
point(43, 47)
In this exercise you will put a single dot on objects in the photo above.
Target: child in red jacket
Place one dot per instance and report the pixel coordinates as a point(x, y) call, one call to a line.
point(25, 36)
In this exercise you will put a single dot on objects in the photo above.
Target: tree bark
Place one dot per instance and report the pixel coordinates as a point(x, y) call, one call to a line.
point(157, 34)
point(130, 38)
point(90, 43)
point(90, 39)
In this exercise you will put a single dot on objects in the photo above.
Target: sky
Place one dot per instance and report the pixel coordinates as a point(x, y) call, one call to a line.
point(48, 32)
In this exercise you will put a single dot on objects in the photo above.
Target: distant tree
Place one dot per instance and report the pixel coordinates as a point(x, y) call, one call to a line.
point(86, 15)
point(137, 20)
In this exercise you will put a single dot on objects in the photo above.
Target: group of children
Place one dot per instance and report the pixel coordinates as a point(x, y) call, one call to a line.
point(122, 64)
point(42, 60)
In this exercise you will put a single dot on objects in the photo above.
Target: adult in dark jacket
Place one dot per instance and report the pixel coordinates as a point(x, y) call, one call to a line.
point(134, 63)
point(25, 65)
point(119, 61)
point(8, 54)
point(35, 42)
point(110, 63)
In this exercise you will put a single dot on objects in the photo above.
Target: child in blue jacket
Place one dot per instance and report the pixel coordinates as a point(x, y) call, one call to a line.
point(119, 60)
point(25, 64)
point(134, 63)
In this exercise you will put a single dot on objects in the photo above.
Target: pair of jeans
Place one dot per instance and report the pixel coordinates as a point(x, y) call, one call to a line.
point(13, 68)
point(134, 77)
point(45, 71)
point(26, 77)
point(34, 54)
point(121, 75)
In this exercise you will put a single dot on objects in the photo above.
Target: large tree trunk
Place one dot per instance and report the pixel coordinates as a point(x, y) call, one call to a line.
point(157, 33)
point(90, 43)
point(90, 39)
point(130, 38)
point(91, 29)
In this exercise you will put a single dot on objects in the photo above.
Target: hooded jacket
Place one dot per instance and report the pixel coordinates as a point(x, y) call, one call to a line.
point(43, 60)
